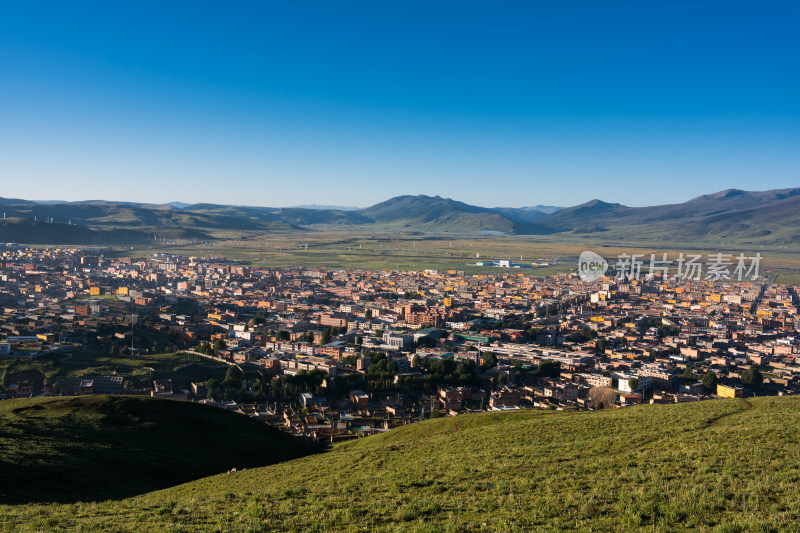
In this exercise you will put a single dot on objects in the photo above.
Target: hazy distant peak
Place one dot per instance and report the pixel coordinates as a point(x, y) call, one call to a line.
point(547, 209)
point(598, 204)
point(727, 193)
point(757, 197)
point(330, 207)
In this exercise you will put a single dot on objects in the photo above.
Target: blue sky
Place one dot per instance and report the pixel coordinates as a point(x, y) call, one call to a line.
point(350, 103)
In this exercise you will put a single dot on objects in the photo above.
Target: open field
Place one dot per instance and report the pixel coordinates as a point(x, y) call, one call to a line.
point(335, 248)
point(139, 371)
point(726, 465)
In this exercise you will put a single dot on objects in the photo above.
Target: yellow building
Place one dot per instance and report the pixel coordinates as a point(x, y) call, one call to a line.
point(728, 391)
point(94, 291)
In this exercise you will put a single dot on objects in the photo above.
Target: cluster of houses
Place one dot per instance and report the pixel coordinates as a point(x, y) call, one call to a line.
point(533, 341)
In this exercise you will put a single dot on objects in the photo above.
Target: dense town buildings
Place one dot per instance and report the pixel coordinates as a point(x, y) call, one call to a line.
point(331, 353)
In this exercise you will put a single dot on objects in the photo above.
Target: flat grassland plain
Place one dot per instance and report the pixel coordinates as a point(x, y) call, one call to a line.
point(724, 465)
point(395, 250)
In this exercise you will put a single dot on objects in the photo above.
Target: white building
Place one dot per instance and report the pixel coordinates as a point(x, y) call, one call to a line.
point(397, 342)
point(623, 383)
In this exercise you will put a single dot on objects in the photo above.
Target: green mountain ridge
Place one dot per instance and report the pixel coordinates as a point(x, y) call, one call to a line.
point(30, 232)
point(757, 217)
point(727, 465)
point(733, 216)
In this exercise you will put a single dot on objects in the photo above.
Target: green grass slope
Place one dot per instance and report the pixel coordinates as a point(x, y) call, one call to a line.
point(728, 465)
point(139, 371)
point(29, 232)
point(125, 216)
point(102, 447)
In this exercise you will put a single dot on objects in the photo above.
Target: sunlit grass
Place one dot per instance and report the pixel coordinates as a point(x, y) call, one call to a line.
point(139, 371)
point(728, 464)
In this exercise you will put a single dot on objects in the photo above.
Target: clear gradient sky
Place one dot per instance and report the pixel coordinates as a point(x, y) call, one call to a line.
point(492, 103)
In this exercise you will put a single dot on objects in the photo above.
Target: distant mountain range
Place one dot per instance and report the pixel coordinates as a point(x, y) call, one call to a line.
point(771, 217)
point(732, 215)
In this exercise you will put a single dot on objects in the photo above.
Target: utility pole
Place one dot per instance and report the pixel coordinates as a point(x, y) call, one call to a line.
point(131, 299)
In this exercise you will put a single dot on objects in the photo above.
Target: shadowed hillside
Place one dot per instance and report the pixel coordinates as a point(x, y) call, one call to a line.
point(109, 447)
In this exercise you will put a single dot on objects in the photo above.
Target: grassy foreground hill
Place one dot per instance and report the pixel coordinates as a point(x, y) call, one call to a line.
point(727, 465)
point(103, 447)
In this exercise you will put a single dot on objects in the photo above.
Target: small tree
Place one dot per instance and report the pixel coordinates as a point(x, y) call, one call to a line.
point(489, 360)
point(275, 386)
point(600, 346)
point(211, 387)
point(710, 381)
point(219, 345)
point(549, 369)
point(233, 374)
point(633, 384)
point(752, 377)
point(602, 397)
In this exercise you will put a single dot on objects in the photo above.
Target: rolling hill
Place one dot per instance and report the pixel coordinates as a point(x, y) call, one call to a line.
point(727, 465)
point(288, 216)
point(731, 215)
point(415, 213)
point(94, 448)
point(436, 214)
point(100, 214)
point(734, 216)
point(30, 232)
point(525, 215)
